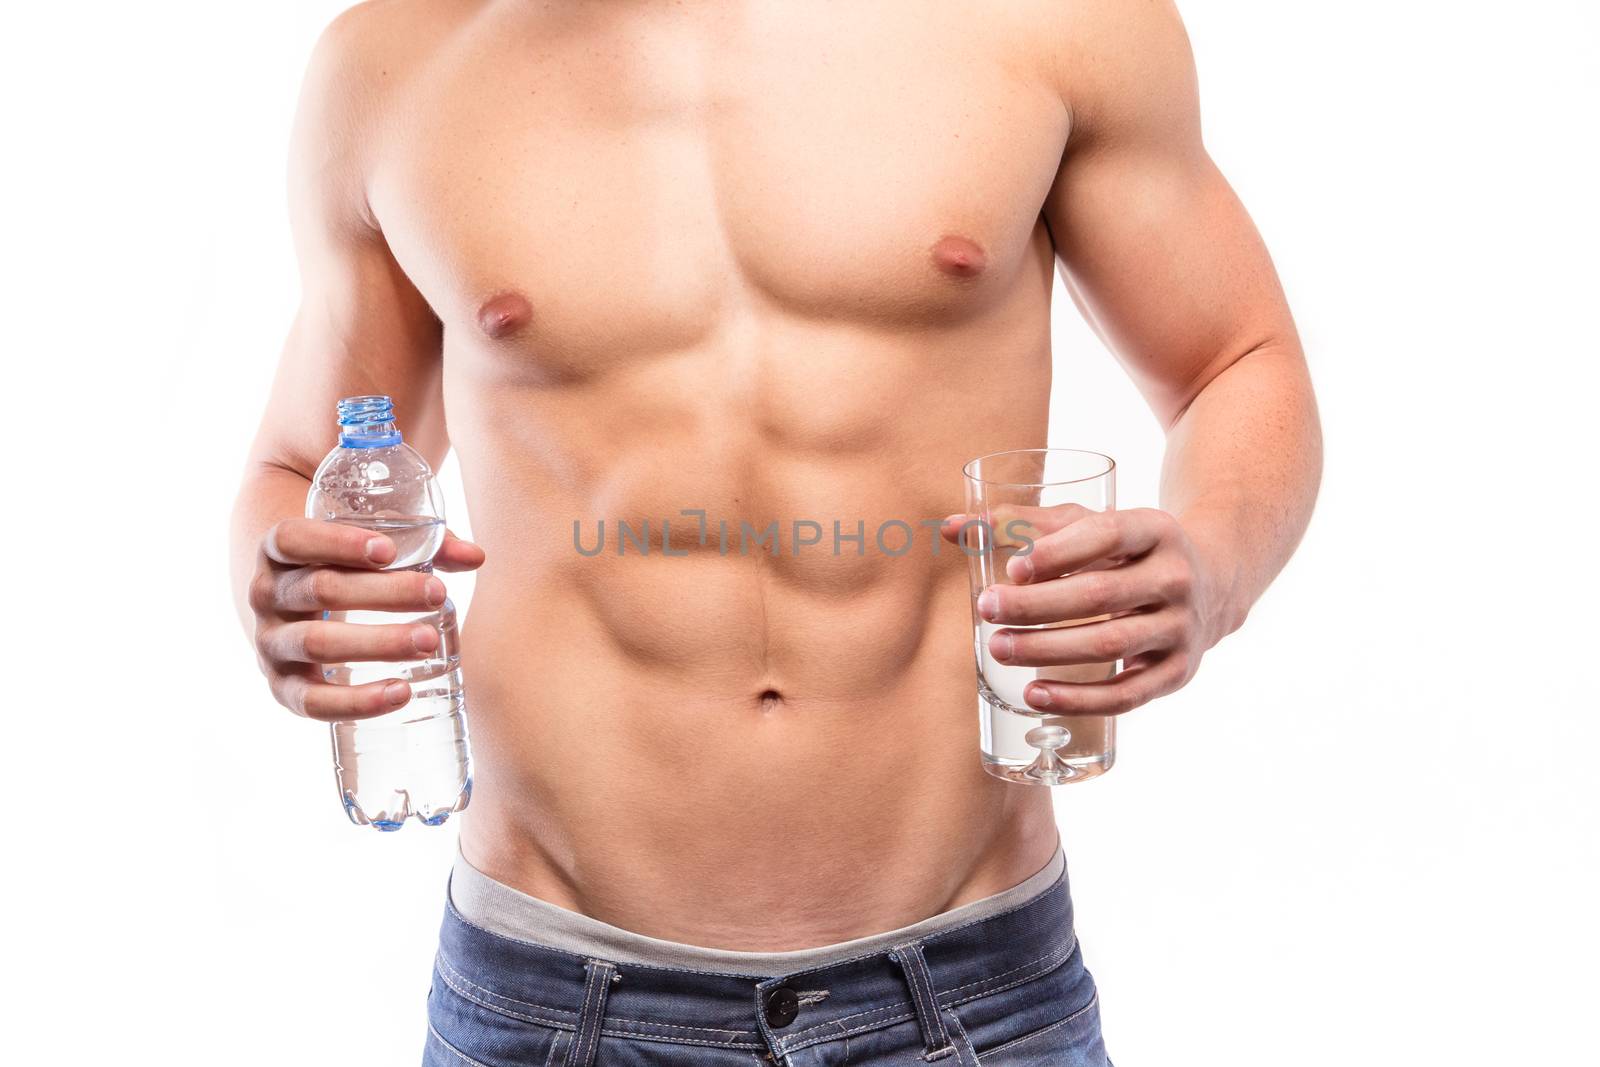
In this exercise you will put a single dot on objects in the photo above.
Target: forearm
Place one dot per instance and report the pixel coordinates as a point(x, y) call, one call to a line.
point(1242, 467)
point(268, 495)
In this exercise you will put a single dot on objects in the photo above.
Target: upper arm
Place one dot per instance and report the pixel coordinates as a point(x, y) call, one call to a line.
point(1152, 243)
point(361, 326)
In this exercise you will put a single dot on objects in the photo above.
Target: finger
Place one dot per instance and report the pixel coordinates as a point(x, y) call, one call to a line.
point(306, 694)
point(966, 531)
point(1019, 524)
point(312, 589)
point(1147, 678)
point(1100, 535)
point(318, 641)
point(1084, 594)
point(1012, 525)
point(457, 554)
point(1097, 642)
point(295, 542)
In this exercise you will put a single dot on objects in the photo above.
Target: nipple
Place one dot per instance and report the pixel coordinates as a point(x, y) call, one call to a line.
point(505, 314)
point(959, 256)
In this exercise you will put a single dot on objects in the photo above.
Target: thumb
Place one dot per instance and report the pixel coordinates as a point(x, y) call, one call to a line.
point(457, 554)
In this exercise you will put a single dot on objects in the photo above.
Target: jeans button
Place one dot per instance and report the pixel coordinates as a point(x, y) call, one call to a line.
point(783, 1004)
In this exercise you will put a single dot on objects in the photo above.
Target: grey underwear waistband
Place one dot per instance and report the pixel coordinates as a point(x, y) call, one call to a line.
point(498, 908)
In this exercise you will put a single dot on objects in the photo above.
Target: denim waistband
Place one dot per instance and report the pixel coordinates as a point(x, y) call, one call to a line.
point(910, 980)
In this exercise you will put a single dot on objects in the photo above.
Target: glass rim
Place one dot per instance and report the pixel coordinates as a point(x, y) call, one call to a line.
point(1110, 467)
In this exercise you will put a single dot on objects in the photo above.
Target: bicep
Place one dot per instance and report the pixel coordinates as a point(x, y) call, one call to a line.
point(1153, 244)
point(361, 327)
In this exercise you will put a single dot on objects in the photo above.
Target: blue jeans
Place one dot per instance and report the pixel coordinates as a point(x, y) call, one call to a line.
point(1009, 990)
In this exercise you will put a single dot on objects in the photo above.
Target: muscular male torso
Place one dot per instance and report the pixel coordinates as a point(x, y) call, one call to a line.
point(771, 261)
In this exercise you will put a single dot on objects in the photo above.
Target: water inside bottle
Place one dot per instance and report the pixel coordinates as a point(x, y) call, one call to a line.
point(413, 761)
point(417, 538)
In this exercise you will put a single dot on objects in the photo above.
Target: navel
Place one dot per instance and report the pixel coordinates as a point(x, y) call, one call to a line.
point(504, 314)
point(959, 256)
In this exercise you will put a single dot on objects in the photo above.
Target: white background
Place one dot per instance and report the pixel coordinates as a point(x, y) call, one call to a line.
point(1364, 834)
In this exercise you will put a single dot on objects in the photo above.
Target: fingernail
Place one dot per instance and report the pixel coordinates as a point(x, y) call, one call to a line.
point(396, 693)
point(1039, 696)
point(377, 546)
point(1020, 569)
point(989, 604)
point(434, 592)
point(424, 639)
point(1001, 646)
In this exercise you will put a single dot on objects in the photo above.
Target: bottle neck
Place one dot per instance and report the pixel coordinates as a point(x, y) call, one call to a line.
point(369, 435)
point(367, 422)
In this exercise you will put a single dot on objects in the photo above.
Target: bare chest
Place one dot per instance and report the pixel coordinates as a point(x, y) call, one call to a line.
point(584, 186)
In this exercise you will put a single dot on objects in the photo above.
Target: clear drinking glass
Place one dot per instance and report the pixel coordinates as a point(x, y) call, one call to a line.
point(1005, 492)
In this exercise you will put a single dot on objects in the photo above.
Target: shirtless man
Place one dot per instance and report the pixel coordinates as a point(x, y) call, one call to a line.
point(775, 261)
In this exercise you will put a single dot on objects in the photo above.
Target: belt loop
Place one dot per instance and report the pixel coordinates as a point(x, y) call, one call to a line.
point(597, 986)
point(936, 1041)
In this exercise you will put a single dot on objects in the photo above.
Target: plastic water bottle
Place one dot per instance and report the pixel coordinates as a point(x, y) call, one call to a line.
point(415, 760)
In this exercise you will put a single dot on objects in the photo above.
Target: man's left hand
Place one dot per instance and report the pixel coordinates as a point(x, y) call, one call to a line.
point(1155, 600)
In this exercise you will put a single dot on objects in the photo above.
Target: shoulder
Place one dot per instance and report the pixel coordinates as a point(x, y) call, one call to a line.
point(372, 48)
point(1122, 66)
point(360, 66)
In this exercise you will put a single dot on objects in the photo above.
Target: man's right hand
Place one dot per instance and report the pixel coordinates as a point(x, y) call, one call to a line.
point(308, 566)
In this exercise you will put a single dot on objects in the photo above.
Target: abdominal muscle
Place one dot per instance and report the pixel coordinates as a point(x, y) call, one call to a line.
point(733, 748)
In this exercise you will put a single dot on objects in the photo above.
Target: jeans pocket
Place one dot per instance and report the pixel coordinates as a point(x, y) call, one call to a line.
point(442, 1053)
point(465, 1031)
point(1074, 1041)
point(1053, 1018)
